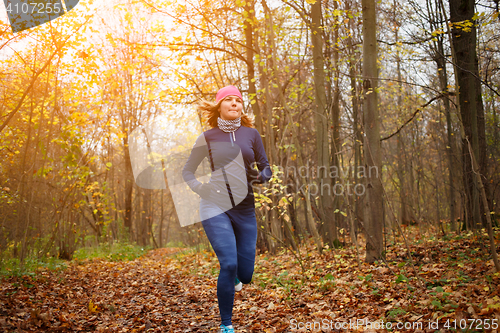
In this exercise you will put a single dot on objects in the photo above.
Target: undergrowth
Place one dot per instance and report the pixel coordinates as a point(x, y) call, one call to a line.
point(118, 251)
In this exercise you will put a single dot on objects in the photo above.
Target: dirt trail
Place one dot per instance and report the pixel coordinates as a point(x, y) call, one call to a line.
point(164, 292)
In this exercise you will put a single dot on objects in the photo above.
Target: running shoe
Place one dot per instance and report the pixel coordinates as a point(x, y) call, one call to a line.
point(237, 285)
point(226, 329)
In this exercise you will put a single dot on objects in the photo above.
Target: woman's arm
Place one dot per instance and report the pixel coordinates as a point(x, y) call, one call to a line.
point(261, 159)
point(198, 153)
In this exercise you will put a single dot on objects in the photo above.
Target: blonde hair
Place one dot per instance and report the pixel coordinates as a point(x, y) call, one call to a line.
point(210, 113)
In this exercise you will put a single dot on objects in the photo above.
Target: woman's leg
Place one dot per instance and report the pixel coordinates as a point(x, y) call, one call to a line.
point(245, 231)
point(220, 233)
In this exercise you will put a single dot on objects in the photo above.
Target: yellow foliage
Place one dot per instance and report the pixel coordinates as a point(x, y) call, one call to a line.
point(92, 307)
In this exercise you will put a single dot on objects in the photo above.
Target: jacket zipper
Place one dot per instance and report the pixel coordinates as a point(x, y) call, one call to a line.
point(231, 138)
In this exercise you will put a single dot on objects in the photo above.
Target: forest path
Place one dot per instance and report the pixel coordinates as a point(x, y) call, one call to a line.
point(168, 290)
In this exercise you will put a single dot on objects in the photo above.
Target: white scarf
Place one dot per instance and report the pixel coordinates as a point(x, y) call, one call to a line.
point(229, 126)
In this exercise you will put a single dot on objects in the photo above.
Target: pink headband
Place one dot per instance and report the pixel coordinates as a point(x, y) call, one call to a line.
point(227, 91)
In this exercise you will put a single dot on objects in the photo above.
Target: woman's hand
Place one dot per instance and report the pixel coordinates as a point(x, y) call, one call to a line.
point(205, 190)
point(254, 177)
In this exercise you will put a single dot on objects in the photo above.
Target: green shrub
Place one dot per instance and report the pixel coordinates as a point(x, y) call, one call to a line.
point(116, 252)
point(12, 267)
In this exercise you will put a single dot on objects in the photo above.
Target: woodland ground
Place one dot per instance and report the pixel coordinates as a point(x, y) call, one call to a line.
point(451, 282)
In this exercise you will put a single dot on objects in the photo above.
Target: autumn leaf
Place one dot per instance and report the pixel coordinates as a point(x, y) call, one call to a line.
point(92, 307)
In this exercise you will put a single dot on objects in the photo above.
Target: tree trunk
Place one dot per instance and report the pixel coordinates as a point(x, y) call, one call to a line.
point(374, 215)
point(321, 118)
point(160, 237)
point(146, 213)
point(252, 90)
point(443, 85)
point(358, 138)
point(443, 80)
point(328, 203)
point(470, 101)
point(129, 185)
point(403, 215)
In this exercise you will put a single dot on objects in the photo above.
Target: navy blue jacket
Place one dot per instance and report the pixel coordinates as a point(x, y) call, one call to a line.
point(226, 152)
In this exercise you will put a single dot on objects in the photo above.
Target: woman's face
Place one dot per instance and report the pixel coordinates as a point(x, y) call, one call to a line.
point(231, 107)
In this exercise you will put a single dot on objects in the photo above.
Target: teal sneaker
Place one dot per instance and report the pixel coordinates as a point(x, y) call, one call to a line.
point(226, 329)
point(237, 285)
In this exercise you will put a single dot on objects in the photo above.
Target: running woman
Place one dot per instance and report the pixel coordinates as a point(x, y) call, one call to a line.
point(230, 227)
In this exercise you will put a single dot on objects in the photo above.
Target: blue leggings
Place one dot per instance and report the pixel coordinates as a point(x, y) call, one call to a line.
point(233, 235)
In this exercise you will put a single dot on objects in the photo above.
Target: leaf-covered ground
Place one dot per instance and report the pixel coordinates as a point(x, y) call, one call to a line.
point(450, 284)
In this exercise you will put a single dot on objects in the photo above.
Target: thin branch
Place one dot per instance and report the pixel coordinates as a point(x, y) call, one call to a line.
point(194, 26)
point(473, 74)
point(196, 47)
point(300, 11)
point(405, 42)
point(35, 77)
point(415, 114)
